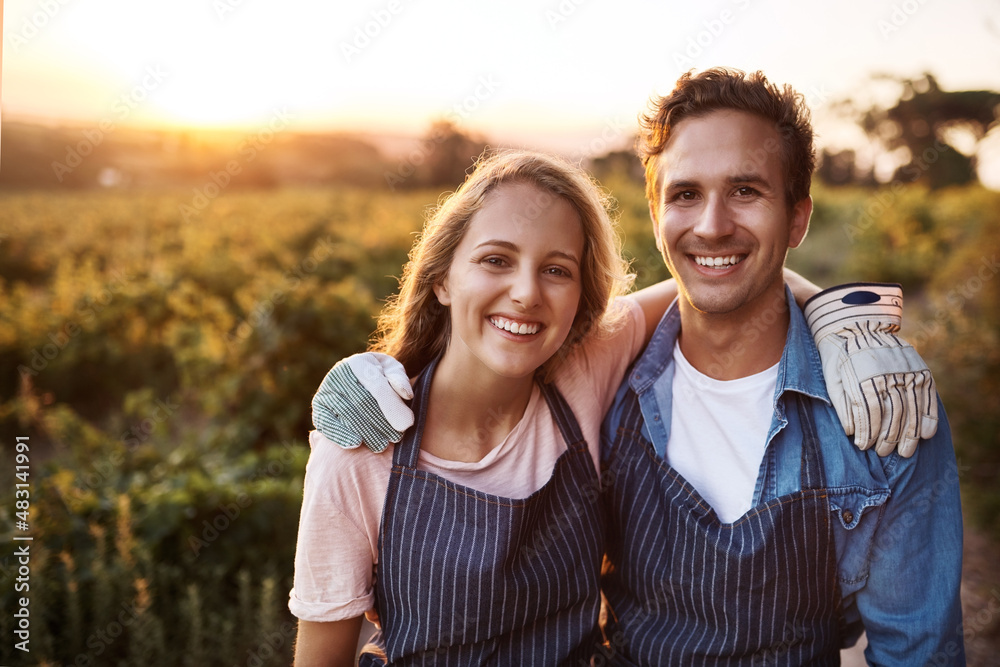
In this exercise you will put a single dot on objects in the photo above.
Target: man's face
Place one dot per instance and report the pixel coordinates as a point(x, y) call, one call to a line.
point(722, 222)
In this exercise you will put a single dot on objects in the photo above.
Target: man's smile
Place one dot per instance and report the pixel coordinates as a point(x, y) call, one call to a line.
point(722, 262)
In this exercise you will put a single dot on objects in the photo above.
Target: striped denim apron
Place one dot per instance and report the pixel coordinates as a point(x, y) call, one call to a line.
point(686, 589)
point(470, 578)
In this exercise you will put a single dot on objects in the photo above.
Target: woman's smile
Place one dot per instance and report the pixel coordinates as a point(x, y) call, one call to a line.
point(517, 327)
point(513, 286)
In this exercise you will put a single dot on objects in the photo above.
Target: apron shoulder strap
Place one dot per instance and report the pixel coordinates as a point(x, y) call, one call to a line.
point(565, 419)
point(408, 449)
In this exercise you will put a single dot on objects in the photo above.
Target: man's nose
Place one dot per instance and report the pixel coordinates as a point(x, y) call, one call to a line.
point(715, 220)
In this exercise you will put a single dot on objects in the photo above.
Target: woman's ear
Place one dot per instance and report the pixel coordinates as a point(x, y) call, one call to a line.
point(441, 290)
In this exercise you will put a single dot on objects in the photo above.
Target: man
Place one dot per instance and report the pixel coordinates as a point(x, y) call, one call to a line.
point(707, 561)
point(742, 528)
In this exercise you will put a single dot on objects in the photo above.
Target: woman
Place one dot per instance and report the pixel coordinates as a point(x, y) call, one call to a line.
point(484, 524)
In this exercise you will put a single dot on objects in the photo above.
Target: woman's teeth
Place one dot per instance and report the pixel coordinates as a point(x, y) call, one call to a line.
point(719, 262)
point(515, 327)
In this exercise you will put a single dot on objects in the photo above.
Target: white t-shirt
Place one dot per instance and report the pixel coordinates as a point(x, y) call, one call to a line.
point(720, 457)
point(345, 489)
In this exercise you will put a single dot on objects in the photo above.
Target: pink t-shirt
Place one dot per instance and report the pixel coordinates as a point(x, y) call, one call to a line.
point(345, 488)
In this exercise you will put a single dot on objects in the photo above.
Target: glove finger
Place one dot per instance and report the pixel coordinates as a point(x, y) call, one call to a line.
point(863, 436)
point(912, 415)
point(924, 390)
point(885, 413)
point(395, 410)
point(396, 374)
point(867, 413)
point(907, 447)
point(929, 412)
point(885, 447)
point(385, 380)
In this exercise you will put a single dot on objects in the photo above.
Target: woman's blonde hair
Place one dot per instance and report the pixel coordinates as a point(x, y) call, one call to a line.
point(414, 327)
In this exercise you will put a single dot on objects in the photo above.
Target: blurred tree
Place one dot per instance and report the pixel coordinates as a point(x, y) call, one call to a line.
point(841, 168)
point(618, 162)
point(448, 153)
point(926, 123)
point(80, 157)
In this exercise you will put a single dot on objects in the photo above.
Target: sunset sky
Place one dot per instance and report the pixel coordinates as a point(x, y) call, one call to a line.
point(564, 75)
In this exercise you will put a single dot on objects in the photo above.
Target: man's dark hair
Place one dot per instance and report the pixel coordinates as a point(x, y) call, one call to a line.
point(720, 88)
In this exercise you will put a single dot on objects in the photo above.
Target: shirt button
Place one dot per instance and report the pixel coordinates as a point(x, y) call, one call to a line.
point(656, 417)
point(848, 516)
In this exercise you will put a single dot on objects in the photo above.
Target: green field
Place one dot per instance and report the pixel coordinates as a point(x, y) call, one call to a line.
point(161, 364)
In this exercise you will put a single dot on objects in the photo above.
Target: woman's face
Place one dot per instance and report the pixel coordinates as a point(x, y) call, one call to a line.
point(514, 283)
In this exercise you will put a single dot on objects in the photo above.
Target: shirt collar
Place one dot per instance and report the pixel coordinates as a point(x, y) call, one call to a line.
point(800, 368)
point(659, 352)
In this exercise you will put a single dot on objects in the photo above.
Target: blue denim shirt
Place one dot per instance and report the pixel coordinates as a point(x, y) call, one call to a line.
point(897, 521)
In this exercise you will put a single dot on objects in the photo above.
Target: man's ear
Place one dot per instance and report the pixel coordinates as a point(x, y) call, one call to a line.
point(801, 213)
point(656, 226)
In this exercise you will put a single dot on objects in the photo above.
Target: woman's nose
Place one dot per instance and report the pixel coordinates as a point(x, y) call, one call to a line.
point(525, 289)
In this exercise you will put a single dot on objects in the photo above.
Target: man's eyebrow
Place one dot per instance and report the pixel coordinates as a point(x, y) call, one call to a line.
point(749, 178)
point(736, 179)
point(514, 248)
point(680, 185)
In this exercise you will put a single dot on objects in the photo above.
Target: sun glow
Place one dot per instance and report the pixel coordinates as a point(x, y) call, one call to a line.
point(214, 99)
point(219, 63)
point(568, 76)
point(228, 78)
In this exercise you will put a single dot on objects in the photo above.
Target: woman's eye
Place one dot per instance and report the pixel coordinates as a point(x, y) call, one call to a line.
point(495, 261)
point(558, 271)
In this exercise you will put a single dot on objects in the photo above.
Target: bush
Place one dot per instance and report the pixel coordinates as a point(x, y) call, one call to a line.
point(162, 370)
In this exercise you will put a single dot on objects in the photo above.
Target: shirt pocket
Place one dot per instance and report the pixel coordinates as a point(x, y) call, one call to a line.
point(856, 512)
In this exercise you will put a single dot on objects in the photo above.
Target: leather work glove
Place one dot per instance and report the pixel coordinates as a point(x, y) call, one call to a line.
point(882, 390)
point(361, 400)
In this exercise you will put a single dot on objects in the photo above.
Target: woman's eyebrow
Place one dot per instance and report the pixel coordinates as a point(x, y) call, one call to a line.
point(498, 242)
point(514, 248)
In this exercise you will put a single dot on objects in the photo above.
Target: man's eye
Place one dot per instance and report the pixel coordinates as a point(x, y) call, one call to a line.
point(747, 191)
point(685, 195)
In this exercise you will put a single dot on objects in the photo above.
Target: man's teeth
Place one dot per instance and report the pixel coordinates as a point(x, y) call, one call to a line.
point(730, 260)
point(515, 327)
